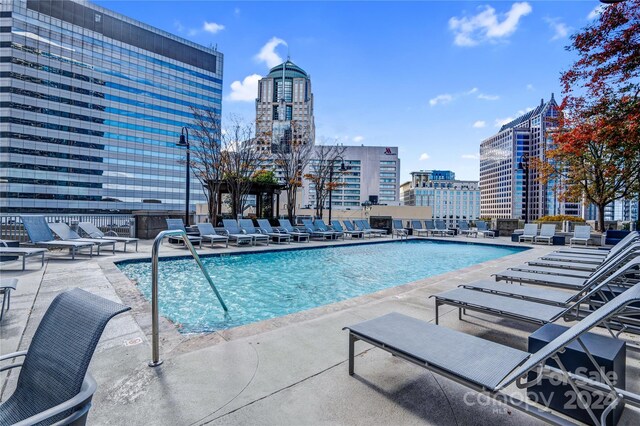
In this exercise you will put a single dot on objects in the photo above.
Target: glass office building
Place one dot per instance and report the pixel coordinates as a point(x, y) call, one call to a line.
point(92, 104)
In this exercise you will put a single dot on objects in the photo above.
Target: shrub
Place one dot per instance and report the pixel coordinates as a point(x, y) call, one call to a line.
point(560, 218)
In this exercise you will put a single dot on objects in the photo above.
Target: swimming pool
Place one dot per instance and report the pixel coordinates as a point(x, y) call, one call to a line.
point(259, 286)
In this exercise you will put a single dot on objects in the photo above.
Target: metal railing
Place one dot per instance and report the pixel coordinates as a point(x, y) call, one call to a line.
point(11, 227)
point(155, 332)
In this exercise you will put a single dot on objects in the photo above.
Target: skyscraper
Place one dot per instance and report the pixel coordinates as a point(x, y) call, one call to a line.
point(92, 106)
point(284, 108)
point(509, 186)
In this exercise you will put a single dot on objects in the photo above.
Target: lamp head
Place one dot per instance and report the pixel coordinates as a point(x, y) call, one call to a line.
point(183, 141)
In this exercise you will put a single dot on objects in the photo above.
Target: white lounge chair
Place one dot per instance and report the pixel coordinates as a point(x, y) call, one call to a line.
point(547, 232)
point(581, 234)
point(530, 232)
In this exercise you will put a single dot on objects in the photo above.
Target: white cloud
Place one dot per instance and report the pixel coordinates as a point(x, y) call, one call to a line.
point(358, 139)
point(486, 25)
point(530, 86)
point(236, 11)
point(524, 111)
point(559, 28)
point(268, 53)
point(471, 156)
point(502, 121)
point(212, 27)
point(441, 99)
point(595, 12)
point(472, 91)
point(245, 90)
point(178, 26)
point(488, 97)
point(480, 124)
point(424, 156)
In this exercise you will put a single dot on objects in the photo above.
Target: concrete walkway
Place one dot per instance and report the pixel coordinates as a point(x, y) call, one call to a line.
point(286, 371)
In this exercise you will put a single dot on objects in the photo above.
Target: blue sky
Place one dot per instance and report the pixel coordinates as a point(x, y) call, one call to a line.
point(434, 78)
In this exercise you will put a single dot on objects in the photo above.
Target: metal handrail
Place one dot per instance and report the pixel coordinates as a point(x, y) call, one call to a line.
point(155, 342)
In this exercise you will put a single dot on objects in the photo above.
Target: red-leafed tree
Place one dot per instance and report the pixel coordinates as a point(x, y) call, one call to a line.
point(596, 152)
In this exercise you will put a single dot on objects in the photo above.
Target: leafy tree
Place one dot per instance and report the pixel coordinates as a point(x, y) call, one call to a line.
point(263, 176)
point(596, 152)
point(323, 172)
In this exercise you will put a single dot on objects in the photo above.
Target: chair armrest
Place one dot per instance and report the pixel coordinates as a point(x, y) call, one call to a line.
point(3, 244)
point(87, 390)
point(11, 356)
point(111, 232)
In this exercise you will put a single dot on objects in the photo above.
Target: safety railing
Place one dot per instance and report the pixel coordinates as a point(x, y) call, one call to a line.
point(11, 225)
point(155, 331)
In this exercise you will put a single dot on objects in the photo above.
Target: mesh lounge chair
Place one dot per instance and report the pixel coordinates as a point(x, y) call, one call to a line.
point(234, 233)
point(489, 367)
point(6, 286)
point(315, 232)
point(93, 232)
point(399, 230)
point(23, 252)
point(53, 385)
point(178, 225)
point(352, 234)
point(320, 225)
point(442, 229)
point(463, 228)
point(41, 236)
point(481, 226)
point(530, 233)
point(630, 238)
point(363, 225)
point(352, 228)
point(65, 233)
point(276, 235)
point(547, 232)
point(296, 233)
point(581, 234)
point(418, 229)
point(258, 237)
point(431, 227)
point(208, 233)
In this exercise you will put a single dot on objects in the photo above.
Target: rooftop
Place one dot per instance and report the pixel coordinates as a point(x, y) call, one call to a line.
point(291, 70)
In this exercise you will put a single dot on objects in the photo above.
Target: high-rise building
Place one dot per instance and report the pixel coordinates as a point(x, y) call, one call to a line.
point(509, 186)
point(373, 176)
point(284, 108)
point(451, 200)
point(92, 105)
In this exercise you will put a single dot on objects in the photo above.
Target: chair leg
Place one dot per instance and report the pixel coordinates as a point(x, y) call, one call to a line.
point(352, 341)
point(24, 259)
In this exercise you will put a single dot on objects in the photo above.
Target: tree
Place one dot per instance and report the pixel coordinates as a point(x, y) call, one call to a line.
point(596, 152)
point(291, 158)
point(241, 159)
point(206, 155)
point(322, 172)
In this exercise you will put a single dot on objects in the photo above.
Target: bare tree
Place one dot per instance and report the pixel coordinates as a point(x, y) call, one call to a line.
point(206, 147)
point(322, 172)
point(291, 158)
point(242, 160)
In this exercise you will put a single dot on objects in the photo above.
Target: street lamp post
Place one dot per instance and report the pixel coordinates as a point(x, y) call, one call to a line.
point(184, 142)
point(343, 169)
point(524, 166)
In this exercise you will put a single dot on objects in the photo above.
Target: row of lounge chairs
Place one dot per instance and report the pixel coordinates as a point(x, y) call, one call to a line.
point(606, 295)
point(581, 234)
point(45, 236)
point(438, 228)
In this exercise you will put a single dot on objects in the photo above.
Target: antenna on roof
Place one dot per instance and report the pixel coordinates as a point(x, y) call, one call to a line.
point(541, 101)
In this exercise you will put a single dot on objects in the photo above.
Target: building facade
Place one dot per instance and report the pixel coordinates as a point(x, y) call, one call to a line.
point(451, 200)
point(509, 186)
point(373, 176)
point(92, 104)
point(284, 108)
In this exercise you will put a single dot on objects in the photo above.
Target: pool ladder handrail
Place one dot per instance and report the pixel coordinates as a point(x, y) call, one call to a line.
point(178, 233)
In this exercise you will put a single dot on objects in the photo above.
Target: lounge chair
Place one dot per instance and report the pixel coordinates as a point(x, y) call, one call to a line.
point(630, 238)
point(53, 386)
point(23, 252)
point(582, 261)
point(320, 225)
point(258, 237)
point(581, 233)
point(352, 228)
point(489, 367)
point(363, 225)
point(296, 233)
point(416, 225)
point(93, 232)
point(442, 229)
point(530, 233)
point(315, 232)
point(208, 233)
point(178, 225)
point(65, 233)
point(536, 306)
point(399, 230)
point(277, 236)
point(463, 228)
point(41, 236)
point(481, 226)
point(352, 234)
point(6, 286)
point(233, 232)
point(547, 232)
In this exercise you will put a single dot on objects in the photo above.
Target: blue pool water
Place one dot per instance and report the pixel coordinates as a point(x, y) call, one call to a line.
point(259, 286)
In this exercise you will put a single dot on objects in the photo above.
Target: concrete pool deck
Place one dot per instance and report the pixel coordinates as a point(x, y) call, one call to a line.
point(289, 370)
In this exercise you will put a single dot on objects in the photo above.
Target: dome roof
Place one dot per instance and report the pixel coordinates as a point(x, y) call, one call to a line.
point(291, 70)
